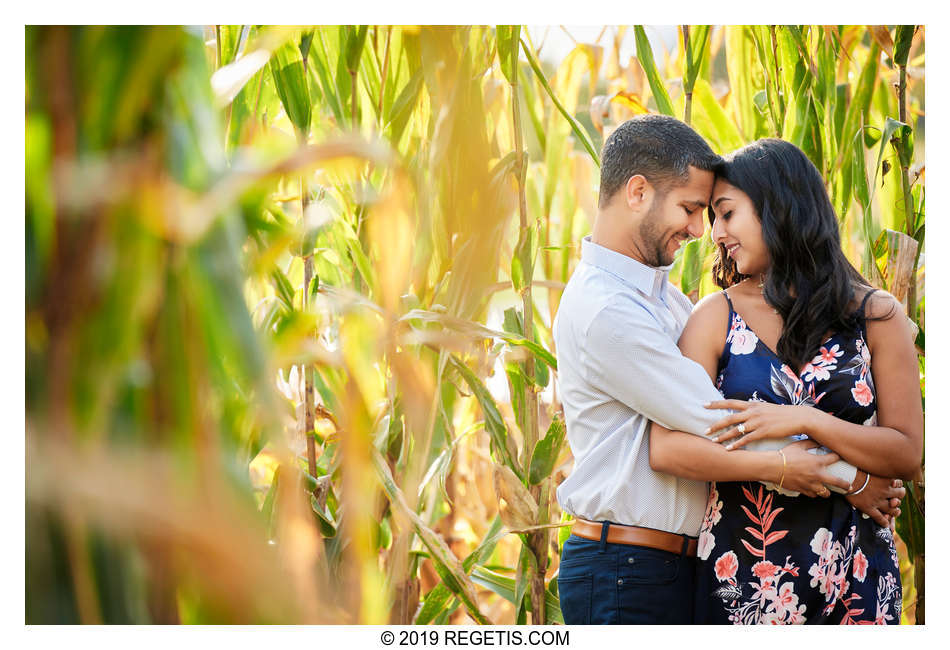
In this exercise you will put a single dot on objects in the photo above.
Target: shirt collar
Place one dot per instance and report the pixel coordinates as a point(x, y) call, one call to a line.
point(647, 279)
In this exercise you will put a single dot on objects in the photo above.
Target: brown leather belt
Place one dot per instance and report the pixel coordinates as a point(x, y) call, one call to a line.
point(636, 536)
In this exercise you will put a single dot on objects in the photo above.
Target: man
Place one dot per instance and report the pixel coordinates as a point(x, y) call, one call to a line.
point(631, 553)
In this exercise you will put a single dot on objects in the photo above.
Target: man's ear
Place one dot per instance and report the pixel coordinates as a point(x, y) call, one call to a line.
point(638, 193)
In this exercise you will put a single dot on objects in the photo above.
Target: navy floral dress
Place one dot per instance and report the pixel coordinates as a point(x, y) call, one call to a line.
point(771, 558)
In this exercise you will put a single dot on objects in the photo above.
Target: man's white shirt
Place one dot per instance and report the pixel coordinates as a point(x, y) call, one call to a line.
point(619, 368)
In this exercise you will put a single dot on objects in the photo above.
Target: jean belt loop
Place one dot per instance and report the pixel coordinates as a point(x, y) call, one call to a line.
point(685, 546)
point(603, 535)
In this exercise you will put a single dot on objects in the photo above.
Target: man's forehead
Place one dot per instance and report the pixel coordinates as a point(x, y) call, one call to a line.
point(697, 188)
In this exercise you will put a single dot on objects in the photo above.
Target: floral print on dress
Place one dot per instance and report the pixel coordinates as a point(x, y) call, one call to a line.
point(770, 558)
point(860, 366)
point(713, 514)
point(819, 368)
point(769, 596)
point(787, 385)
point(740, 338)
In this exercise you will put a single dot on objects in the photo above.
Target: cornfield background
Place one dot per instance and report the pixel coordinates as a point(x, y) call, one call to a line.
point(289, 294)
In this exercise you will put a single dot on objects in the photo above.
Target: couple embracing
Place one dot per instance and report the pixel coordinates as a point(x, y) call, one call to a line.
point(736, 461)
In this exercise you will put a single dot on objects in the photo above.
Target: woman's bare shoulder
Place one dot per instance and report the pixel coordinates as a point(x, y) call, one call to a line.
point(711, 308)
point(882, 305)
point(709, 319)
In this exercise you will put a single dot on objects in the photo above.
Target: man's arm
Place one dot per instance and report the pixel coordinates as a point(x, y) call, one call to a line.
point(630, 357)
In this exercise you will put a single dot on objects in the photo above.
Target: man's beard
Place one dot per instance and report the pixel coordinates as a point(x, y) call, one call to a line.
point(654, 239)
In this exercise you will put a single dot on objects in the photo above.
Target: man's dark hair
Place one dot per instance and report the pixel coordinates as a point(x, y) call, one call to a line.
point(659, 148)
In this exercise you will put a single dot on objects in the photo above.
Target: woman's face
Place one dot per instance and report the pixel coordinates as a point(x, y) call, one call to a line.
point(737, 227)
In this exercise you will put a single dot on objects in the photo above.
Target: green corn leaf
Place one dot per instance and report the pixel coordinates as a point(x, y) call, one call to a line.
point(711, 121)
point(517, 381)
point(859, 174)
point(740, 53)
point(910, 523)
point(446, 564)
point(437, 600)
point(892, 129)
point(402, 108)
point(546, 452)
point(287, 68)
point(514, 324)
point(861, 100)
point(355, 39)
point(579, 130)
point(324, 52)
point(862, 193)
point(508, 37)
point(523, 574)
point(903, 38)
point(692, 267)
point(698, 36)
point(522, 261)
point(285, 290)
point(645, 57)
point(505, 587)
point(531, 105)
point(267, 508)
point(433, 604)
point(477, 330)
point(494, 423)
point(487, 546)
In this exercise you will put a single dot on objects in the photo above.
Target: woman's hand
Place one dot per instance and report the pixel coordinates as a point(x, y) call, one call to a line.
point(758, 421)
point(808, 473)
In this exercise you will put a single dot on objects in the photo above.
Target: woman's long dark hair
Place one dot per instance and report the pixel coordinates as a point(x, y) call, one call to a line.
point(810, 282)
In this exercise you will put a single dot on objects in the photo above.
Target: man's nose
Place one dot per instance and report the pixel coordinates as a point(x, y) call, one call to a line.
point(695, 226)
point(718, 230)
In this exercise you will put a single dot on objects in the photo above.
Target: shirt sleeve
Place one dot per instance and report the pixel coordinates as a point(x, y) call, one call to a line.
point(630, 357)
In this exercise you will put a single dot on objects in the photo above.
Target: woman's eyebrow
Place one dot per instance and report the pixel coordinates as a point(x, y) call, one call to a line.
point(720, 200)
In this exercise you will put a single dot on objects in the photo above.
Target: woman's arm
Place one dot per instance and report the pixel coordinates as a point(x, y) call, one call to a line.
point(893, 447)
point(691, 456)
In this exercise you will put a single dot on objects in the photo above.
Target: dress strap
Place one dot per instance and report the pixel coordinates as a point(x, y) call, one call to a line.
point(864, 302)
point(725, 292)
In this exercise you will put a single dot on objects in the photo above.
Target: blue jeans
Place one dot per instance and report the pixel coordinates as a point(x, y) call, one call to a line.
point(619, 584)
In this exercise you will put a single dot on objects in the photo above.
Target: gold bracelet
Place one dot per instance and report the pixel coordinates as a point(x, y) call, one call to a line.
point(782, 480)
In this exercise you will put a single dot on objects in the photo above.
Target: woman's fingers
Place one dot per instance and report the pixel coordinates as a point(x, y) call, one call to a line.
point(737, 404)
point(726, 426)
point(748, 436)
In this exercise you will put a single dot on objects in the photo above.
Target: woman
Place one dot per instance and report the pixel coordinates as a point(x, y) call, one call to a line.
point(795, 331)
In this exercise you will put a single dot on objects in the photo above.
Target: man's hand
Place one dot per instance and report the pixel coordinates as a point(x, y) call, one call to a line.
point(880, 499)
point(808, 473)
